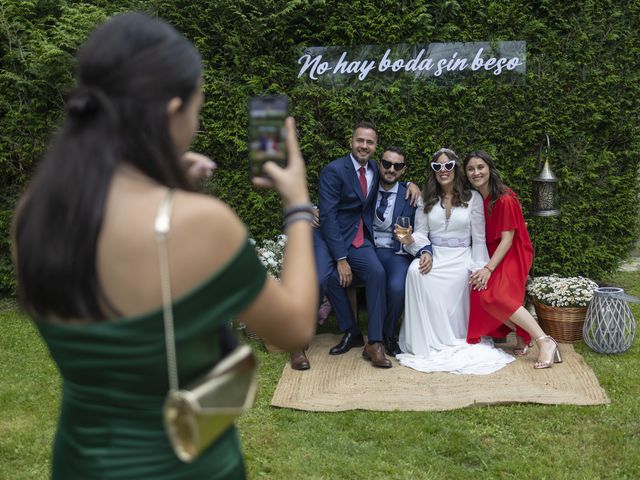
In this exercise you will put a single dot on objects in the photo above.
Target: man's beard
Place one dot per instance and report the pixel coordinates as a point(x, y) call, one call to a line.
point(361, 158)
point(386, 182)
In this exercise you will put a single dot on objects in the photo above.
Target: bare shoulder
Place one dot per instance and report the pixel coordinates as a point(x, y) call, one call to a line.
point(208, 212)
point(204, 235)
point(202, 224)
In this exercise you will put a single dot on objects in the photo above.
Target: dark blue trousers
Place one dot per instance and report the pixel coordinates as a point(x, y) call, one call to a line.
point(395, 267)
point(324, 263)
point(367, 270)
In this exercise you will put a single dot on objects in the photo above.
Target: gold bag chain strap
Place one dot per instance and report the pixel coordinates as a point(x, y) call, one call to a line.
point(162, 226)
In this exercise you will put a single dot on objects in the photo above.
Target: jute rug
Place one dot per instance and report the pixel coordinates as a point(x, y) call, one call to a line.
point(348, 382)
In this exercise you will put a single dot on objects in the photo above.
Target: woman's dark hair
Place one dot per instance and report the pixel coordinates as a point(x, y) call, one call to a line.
point(497, 188)
point(432, 191)
point(128, 70)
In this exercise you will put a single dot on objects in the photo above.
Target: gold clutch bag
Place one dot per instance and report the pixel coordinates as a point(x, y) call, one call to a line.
point(197, 414)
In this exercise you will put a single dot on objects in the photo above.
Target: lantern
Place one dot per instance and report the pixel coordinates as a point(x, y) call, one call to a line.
point(609, 325)
point(545, 191)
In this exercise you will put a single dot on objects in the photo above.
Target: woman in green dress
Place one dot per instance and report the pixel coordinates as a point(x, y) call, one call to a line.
point(88, 267)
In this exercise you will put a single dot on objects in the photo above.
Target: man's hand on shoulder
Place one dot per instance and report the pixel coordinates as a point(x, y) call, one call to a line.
point(413, 193)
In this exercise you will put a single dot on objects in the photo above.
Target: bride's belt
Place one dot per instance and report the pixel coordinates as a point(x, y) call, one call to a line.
point(450, 242)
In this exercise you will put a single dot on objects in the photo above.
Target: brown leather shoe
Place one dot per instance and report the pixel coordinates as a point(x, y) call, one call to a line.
point(299, 361)
point(375, 354)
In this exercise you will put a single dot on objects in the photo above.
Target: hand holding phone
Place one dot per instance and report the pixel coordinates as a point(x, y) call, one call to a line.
point(290, 182)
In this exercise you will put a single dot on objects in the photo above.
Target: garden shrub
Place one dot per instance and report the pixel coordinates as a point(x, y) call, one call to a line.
point(581, 89)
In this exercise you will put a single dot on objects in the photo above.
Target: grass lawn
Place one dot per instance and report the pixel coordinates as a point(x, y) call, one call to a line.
point(514, 441)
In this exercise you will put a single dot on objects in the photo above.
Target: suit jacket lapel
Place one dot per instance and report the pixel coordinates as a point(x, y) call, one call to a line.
point(373, 188)
point(354, 176)
point(400, 201)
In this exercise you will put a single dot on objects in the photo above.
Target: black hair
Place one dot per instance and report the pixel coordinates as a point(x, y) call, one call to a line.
point(395, 149)
point(432, 191)
point(497, 188)
point(128, 70)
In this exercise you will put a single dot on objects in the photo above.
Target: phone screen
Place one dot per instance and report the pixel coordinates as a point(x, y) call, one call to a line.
point(266, 132)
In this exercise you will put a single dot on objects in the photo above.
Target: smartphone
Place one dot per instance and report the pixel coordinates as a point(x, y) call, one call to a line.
point(266, 132)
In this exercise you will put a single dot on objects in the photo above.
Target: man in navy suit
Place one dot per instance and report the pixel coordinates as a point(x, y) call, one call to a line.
point(344, 245)
point(391, 203)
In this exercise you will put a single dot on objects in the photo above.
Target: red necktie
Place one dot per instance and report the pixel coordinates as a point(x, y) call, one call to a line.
point(359, 239)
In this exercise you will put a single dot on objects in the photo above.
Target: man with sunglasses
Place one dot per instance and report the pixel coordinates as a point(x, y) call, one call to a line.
point(391, 204)
point(344, 245)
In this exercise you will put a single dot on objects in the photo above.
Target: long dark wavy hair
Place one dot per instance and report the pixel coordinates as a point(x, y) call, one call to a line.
point(432, 191)
point(128, 70)
point(497, 188)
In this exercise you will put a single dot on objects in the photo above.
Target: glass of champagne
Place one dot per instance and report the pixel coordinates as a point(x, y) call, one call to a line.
point(403, 225)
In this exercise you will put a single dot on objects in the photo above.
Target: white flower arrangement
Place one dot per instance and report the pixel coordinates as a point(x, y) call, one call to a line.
point(271, 253)
point(557, 291)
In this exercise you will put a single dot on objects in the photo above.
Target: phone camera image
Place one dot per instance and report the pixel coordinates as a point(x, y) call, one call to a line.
point(267, 115)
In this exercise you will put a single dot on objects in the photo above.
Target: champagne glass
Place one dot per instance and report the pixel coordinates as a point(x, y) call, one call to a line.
point(402, 230)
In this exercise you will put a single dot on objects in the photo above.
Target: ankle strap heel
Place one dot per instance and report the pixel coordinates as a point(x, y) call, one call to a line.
point(554, 357)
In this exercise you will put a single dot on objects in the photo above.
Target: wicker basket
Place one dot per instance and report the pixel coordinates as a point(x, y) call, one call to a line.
point(564, 324)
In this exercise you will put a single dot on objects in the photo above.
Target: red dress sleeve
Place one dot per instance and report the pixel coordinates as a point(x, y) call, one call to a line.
point(506, 214)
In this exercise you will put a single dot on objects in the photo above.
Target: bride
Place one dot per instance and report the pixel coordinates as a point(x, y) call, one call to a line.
point(450, 223)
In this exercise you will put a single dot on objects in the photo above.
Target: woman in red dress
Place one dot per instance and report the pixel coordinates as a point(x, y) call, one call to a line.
point(499, 287)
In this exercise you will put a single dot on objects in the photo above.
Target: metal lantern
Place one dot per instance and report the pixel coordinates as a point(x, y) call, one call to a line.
point(609, 326)
point(545, 191)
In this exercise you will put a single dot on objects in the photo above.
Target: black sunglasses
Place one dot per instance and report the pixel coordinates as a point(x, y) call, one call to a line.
point(387, 164)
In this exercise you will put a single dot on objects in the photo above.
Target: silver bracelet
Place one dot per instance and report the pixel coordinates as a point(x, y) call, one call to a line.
point(300, 207)
point(296, 217)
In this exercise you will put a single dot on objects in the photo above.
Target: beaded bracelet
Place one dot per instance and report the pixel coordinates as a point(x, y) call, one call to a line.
point(487, 267)
point(300, 208)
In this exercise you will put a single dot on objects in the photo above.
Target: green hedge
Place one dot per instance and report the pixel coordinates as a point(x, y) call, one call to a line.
point(581, 89)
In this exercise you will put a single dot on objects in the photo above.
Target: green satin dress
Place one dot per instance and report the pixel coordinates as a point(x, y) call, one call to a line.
point(115, 382)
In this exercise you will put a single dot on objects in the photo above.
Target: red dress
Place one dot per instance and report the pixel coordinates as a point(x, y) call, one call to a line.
point(490, 308)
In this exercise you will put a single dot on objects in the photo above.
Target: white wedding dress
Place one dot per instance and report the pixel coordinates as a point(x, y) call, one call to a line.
point(436, 313)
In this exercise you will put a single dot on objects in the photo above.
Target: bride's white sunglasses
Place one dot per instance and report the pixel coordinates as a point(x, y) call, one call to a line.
point(436, 167)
